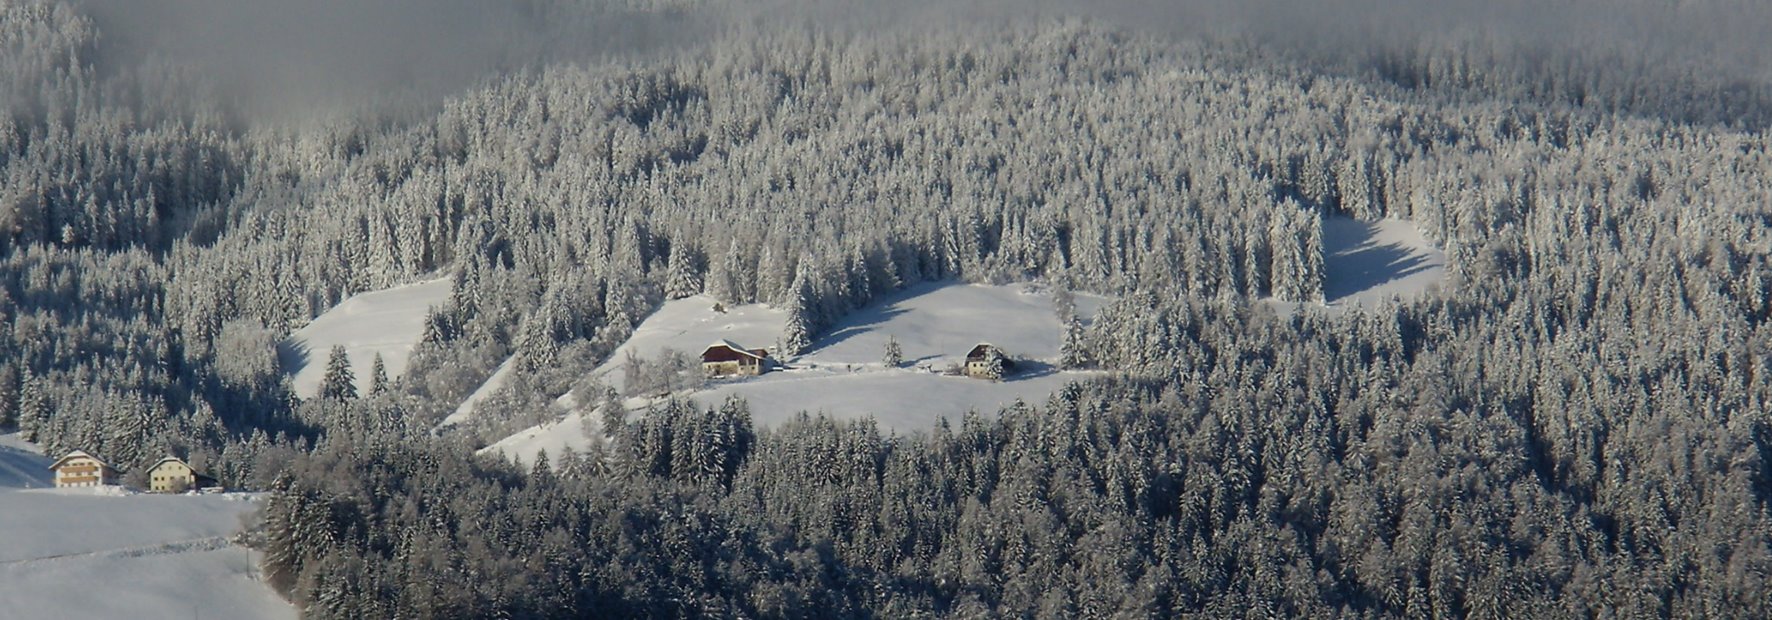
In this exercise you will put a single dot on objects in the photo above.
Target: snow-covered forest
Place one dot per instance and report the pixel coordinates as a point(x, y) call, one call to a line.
point(1579, 420)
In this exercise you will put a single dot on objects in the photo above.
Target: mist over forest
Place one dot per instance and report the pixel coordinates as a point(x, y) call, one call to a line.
point(1576, 422)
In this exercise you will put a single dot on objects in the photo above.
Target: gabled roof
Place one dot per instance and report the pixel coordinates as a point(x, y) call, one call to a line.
point(979, 350)
point(74, 455)
point(173, 459)
point(759, 354)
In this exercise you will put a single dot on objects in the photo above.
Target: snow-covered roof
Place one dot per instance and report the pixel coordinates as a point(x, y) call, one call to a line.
point(728, 344)
point(173, 459)
point(74, 455)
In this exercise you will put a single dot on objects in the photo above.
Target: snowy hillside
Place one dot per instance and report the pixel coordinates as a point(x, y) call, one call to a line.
point(843, 375)
point(942, 321)
point(389, 322)
point(689, 325)
point(106, 553)
point(1366, 263)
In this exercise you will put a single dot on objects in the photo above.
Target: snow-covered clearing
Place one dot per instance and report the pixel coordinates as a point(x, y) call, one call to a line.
point(899, 400)
point(842, 375)
point(689, 325)
point(936, 322)
point(108, 553)
point(1368, 263)
point(389, 322)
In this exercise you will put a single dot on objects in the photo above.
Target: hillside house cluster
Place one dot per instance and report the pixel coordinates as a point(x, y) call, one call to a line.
point(170, 475)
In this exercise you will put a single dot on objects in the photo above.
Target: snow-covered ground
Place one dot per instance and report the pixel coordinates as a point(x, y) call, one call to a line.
point(842, 375)
point(689, 325)
point(899, 400)
point(1368, 263)
point(389, 322)
point(107, 553)
point(936, 322)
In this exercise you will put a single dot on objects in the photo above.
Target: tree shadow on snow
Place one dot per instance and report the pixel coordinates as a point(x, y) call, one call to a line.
point(1355, 261)
point(292, 356)
point(21, 469)
point(859, 323)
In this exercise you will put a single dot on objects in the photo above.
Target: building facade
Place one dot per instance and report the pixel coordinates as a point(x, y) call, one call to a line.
point(726, 358)
point(79, 469)
point(174, 475)
point(979, 360)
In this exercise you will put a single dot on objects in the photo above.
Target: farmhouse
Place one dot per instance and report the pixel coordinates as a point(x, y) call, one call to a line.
point(979, 362)
point(726, 358)
point(174, 475)
point(79, 469)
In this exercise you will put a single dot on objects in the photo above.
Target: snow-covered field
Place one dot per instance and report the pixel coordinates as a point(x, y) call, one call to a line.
point(1368, 263)
point(689, 325)
point(389, 322)
point(843, 375)
point(106, 553)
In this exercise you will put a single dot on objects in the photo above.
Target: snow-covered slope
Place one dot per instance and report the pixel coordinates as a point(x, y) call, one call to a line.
point(105, 553)
point(1366, 263)
point(389, 322)
point(689, 325)
point(554, 437)
point(900, 400)
point(22, 465)
point(942, 321)
point(843, 375)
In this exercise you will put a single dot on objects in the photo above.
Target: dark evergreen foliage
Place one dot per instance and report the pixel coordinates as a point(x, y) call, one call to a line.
point(1575, 424)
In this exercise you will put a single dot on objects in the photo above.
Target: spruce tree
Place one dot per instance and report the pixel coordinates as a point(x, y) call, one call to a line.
point(1073, 353)
point(796, 332)
point(339, 383)
point(378, 376)
point(894, 354)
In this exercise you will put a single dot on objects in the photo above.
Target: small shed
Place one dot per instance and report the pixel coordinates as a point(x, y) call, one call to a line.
point(727, 358)
point(80, 469)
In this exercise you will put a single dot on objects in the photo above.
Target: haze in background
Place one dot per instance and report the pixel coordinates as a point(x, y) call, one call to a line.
point(283, 57)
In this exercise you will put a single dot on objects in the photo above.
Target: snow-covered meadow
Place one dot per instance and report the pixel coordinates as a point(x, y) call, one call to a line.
point(109, 553)
point(843, 374)
point(389, 322)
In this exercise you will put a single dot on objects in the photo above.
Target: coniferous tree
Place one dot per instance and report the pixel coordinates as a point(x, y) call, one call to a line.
point(339, 383)
point(378, 376)
point(894, 356)
point(797, 328)
point(1073, 352)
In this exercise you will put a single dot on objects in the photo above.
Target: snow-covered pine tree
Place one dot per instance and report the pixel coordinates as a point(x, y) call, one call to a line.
point(796, 332)
point(994, 364)
point(894, 353)
point(378, 376)
point(683, 277)
point(339, 382)
point(1073, 353)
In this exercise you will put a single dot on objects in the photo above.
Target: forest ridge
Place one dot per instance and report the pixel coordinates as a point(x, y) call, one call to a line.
point(1577, 423)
